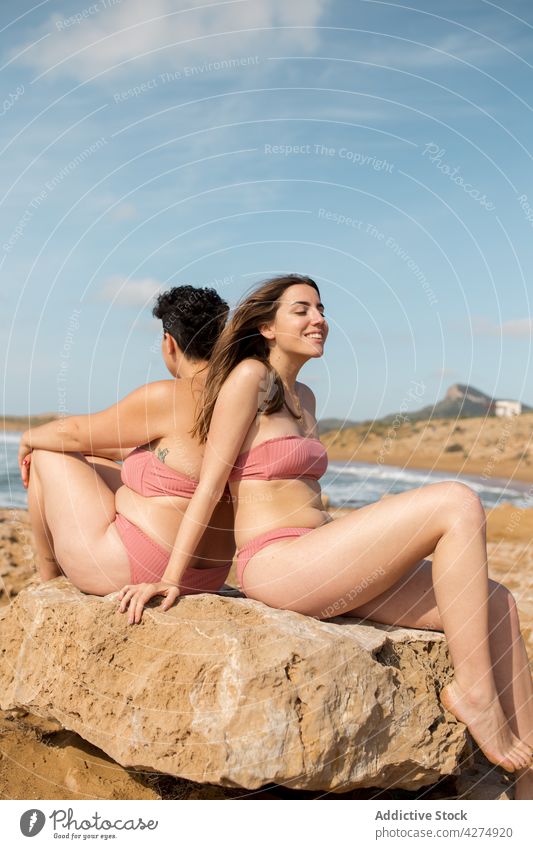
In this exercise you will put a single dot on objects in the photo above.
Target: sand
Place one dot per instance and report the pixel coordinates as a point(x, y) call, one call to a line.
point(493, 448)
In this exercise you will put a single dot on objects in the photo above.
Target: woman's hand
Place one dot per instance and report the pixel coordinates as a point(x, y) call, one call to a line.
point(24, 460)
point(135, 597)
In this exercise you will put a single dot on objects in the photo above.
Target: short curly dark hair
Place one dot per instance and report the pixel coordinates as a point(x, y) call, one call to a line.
point(195, 318)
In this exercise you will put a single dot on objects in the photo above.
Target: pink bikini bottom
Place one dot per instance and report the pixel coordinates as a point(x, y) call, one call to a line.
point(148, 561)
point(247, 552)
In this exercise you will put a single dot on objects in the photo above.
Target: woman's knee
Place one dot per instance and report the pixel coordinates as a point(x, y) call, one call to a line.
point(41, 458)
point(37, 457)
point(460, 503)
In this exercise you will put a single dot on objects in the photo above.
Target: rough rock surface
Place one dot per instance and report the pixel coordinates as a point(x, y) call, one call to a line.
point(17, 568)
point(228, 691)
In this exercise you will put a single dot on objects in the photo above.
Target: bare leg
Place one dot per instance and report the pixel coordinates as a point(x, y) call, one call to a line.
point(373, 548)
point(47, 565)
point(513, 661)
point(109, 471)
point(79, 513)
point(513, 681)
point(411, 602)
point(46, 562)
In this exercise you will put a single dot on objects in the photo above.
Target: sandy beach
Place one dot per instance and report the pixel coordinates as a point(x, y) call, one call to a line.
point(493, 448)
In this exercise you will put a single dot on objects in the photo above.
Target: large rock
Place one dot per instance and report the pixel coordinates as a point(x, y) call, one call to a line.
point(17, 569)
point(228, 691)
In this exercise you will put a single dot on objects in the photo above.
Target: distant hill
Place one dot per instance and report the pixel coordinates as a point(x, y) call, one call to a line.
point(460, 401)
point(324, 425)
point(21, 423)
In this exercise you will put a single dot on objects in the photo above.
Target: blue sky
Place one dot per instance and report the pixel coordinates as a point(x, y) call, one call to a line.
point(384, 149)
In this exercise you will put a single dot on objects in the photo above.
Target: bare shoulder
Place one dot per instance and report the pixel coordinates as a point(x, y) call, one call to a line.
point(173, 402)
point(250, 367)
point(154, 393)
point(181, 397)
point(248, 372)
point(161, 391)
point(161, 399)
point(245, 388)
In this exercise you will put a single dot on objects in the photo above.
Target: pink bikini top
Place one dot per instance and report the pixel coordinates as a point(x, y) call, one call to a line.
point(282, 458)
point(145, 474)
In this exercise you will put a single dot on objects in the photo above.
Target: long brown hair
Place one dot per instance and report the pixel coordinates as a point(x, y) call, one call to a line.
point(241, 339)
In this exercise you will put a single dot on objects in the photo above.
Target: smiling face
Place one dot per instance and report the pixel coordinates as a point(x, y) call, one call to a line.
point(299, 326)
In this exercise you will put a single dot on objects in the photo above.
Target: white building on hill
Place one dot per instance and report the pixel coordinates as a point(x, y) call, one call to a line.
point(508, 408)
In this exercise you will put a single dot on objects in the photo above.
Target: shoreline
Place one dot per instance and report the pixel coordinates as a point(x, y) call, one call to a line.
point(493, 449)
point(522, 479)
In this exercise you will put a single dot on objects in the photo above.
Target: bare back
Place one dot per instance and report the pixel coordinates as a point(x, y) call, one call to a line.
point(160, 516)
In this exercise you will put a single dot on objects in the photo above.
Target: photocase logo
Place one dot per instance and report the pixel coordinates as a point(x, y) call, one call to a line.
point(32, 822)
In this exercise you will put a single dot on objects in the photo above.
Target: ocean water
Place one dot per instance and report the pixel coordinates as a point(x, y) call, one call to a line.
point(357, 484)
point(346, 484)
point(12, 493)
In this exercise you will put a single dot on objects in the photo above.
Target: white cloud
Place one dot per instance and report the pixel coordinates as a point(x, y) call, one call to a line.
point(426, 51)
point(129, 291)
point(467, 46)
point(157, 32)
point(482, 326)
point(442, 373)
point(518, 327)
point(124, 212)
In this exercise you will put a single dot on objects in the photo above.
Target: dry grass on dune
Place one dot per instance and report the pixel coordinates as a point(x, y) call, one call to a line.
point(491, 447)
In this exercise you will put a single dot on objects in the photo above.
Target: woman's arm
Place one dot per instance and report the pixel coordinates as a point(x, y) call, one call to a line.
point(140, 417)
point(234, 412)
point(117, 454)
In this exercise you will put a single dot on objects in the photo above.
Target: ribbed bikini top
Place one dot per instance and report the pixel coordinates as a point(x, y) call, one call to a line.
point(145, 474)
point(282, 458)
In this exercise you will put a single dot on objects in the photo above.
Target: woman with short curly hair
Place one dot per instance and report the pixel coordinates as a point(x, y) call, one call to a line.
point(102, 525)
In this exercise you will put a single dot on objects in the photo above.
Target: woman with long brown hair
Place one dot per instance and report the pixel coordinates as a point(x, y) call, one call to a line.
point(259, 428)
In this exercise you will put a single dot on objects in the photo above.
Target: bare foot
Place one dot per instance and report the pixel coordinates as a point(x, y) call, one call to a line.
point(523, 787)
point(488, 726)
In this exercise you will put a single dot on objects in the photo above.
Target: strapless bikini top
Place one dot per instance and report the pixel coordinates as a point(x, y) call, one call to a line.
point(145, 474)
point(282, 458)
